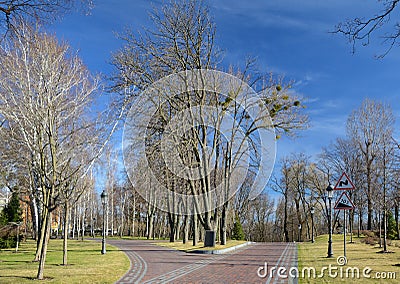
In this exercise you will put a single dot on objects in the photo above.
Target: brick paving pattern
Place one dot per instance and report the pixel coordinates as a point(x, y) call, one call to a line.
point(251, 264)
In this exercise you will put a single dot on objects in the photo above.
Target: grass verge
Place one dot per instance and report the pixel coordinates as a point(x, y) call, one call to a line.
point(85, 263)
point(189, 247)
point(360, 256)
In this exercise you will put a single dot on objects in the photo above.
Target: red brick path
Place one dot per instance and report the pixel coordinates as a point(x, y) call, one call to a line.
point(251, 264)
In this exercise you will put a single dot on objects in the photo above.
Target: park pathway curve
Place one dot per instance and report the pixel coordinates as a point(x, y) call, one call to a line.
point(250, 264)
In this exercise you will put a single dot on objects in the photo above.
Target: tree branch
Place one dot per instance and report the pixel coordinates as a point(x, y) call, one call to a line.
point(360, 29)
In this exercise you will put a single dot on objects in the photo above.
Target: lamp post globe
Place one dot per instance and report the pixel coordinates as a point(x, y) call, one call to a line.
point(103, 197)
point(329, 191)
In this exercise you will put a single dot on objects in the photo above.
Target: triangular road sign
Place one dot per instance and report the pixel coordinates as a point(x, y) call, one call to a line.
point(344, 202)
point(344, 183)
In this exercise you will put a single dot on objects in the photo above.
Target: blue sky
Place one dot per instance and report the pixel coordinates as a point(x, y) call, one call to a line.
point(289, 37)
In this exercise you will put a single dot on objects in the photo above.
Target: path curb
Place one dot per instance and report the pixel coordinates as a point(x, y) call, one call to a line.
point(221, 251)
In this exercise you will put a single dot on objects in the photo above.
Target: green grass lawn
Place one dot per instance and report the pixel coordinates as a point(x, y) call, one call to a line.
point(85, 263)
point(359, 255)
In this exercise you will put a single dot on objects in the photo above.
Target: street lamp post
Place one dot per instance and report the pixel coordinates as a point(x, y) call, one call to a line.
point(329, 191)
point(17, 224)
point(299, 233)
point(312, 210)
point(103, 197)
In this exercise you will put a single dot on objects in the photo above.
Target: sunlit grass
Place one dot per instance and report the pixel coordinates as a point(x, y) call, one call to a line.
point(358, 254)
point(179, 245)
point(85, 263)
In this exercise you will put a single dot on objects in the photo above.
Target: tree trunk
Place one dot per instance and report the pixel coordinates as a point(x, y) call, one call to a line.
point(133, 216)
point(351, 223)
point(177, 227)
point(74, 223)
point(91, 220)
point(384, 231)
point(384, 201)
point(185, 229)
point(171, 222)
point(396, 217)
point(83, 220)
point(360, 220)
point(285, 219)
point(195, 230)
point(133, 225)
point(217, 225)
point(35, 218)
point(150, 225)
point(380, 228)
point(65, 233)
point(78, 224)
point(223, 226)
point(369, 198)
point(41, 235)
point(112, 213)
point(46, 238)
point(106, 227)
point(121, 227)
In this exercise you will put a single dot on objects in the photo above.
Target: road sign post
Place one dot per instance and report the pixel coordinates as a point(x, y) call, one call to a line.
point(344, 202)
point(344, 234)
point(344, 183)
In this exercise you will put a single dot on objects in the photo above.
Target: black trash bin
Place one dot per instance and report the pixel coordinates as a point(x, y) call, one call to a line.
point(210, 239)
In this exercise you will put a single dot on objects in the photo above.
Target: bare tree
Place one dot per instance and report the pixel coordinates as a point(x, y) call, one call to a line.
point(282, 186)
point(45, 93)
point(183, 39)
point(258, 216)
point(369, 128)
point(385, 174)
point(70, 195)
point(295, 187)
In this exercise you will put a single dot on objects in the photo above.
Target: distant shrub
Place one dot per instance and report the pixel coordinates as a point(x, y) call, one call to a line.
point(8, 242)
point(368, 233)
point(370, 240)
point(8, 237)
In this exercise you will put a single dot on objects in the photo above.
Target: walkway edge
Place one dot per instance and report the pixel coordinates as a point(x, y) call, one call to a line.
point(222, 251)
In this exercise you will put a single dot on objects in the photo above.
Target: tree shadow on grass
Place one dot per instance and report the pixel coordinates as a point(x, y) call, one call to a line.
point(385, 251)
point(23, 277)
point(60, 264)
point(17, 261)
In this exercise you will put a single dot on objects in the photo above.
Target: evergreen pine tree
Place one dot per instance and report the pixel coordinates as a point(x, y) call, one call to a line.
point(12, 211)
point(3, 218)
point(238, 233)
point(391, 229)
